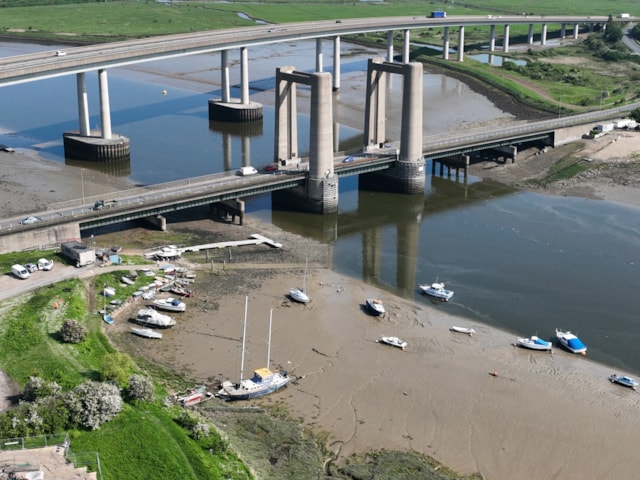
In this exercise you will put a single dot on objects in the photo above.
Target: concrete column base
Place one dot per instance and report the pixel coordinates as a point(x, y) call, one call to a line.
point(404, 177)
point(158, 221)
point(234, 111)
point(95, 148)
point(318, 196)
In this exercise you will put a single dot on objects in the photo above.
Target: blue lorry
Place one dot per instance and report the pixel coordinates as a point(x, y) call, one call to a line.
point(438, 14)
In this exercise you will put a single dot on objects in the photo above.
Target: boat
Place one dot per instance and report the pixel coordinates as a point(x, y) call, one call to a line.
point(375, 306)
point(534, 343)
point(624, 381)
point(167, 252)
point(437, 290)
point(264, 380)
point(393, 341)
point(127, 280)
point(468, 331)
point(107, 318)
point(146, 332)
point(571, 342)
point(299, 294)
point(178, 290)
point(194, 396)
point(109, 291)
point(149, 317)
point(170, 304)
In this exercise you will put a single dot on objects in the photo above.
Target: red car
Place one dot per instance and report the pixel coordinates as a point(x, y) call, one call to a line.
point(271, 167)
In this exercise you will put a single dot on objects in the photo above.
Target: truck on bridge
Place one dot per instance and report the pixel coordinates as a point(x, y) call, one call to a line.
point(438, 14)
point(100, 204)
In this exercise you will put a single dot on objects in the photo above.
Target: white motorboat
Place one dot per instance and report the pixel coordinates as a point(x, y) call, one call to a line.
point(468, 331)
point(571, 342)
point(393, 341)
point(375, 306)
point(108, 291)
point(149, 317)
point(437, 290)
point(263, 382)
point(534, 343)
point(127, 280)
point(167, 252)
point(299, 294)
point(146, 332)
point(170, 304)
point(624, 381)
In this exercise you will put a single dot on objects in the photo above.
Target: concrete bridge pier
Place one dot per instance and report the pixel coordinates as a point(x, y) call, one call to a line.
point(158, 221)
point(407, 175)
point(228, 110)
point(457, 163)
point(505, 46)
point(101, 145)
point(445, 43)
point(543, 36)
point(492, 38)
point(320, 194)
point(229, 208)
point(530, 35)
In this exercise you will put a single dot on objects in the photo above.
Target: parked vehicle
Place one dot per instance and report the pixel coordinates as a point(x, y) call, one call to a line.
point(100, 204)
point(45, 264)
point(20, 272)
point(31, 267)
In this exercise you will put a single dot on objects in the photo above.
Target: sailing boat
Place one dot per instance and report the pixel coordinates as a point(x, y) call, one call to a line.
point(298, 294)
point(105, 316)
point(263, 382)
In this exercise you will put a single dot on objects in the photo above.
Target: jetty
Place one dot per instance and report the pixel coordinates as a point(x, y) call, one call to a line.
point(255, 239)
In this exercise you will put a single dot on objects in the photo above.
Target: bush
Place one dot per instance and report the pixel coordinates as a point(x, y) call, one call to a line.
point(140, 388)
point(93, 403)
point(37, 387)
point(73, 332)
point(116, 367)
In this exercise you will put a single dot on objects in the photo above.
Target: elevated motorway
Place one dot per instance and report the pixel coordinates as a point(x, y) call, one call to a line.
point(38, 66)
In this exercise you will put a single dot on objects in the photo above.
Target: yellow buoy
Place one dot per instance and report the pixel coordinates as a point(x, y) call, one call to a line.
point(164, 92)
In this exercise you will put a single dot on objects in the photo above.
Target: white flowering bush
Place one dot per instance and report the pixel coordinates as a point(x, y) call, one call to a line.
point(73, 332)
point(140, 388)
point(37, 387)
point(93, 403)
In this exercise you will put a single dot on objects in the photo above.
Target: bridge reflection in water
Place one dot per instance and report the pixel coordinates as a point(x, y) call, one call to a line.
point(382, 231)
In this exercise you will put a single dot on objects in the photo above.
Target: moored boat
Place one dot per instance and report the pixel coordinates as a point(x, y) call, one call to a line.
point(264, 380)
point(468, 331)
point(108, 319)
point(375, 306)
point(437, 290)
point(624, 381)
point(127, 280)
point(534, 343)
point(393, 341)
point(151, 318)
point(108, 291)
point(571, 342)
point(170, 304)
point(298, 294)
point(146, 332)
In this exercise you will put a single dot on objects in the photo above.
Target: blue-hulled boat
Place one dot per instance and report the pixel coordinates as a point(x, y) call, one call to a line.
point(571, 342)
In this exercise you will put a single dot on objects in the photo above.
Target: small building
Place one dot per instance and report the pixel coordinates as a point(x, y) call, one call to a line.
point(78, 253)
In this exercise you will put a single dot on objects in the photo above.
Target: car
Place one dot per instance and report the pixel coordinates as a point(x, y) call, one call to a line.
point(20, 272)
point(338, 21)
point(31, 267)
point(45, 264)
point(349, 159)
point(60, 53)
point(30, 220)
point(271, 167)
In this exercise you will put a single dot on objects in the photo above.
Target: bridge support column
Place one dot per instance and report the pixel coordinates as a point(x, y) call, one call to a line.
point(543, 37)
point(225, 109)
point(563, 30)
point(101, 146)
point(336, 64)
point(375, 106)
point(505, 45)
point(530, 34)
point(407, 175)
point(405, 45)
point(158, 221)
point(320, 194)
point(319, 58)
point(445, 43)
point(461, 44)
point(576, 29)
point(390, 46)
point(492, 38)
point(226, 208)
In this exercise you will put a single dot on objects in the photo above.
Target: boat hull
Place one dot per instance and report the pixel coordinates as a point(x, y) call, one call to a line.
point(231, 392)
point(572, 343)
point(465, 330)
point(146, 333)
point(533, 343)
point(299, 296)
point(393, 342)
point(375, 307)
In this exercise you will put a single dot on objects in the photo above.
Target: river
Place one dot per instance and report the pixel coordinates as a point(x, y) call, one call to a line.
point(523, 262)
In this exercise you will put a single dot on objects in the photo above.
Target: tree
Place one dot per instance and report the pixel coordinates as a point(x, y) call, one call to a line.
point(635, 114)
point(116, 367)
point(73, 332)
point(613, 32)
point(93, 403)
point(37, 388)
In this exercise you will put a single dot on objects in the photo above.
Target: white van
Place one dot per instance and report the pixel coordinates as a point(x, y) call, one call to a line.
point(20, 272)
point(244, 171)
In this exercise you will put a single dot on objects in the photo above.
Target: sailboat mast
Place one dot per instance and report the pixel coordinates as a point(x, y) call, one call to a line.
point(304, 280)
point(244, 336)
point(269, 346)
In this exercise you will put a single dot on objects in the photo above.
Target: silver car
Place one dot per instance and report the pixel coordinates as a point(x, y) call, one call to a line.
point(30, 220)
